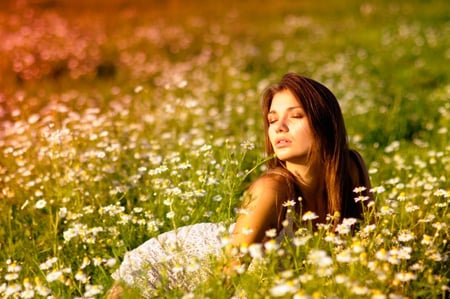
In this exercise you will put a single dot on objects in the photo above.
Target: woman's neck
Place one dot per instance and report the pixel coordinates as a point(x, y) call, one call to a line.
point(312, 185)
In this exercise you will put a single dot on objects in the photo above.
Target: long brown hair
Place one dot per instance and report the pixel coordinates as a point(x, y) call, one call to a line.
point(330, 146)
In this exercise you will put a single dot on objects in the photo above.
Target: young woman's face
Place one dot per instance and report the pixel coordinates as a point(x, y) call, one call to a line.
point(289, 130)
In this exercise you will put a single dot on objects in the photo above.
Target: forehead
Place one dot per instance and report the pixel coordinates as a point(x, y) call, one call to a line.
point(283, 100)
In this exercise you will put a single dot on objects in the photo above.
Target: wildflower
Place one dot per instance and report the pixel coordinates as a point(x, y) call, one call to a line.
point(442, 192)
point(359, 189)
point(246, 230)
point(62, 212)
point(304, 278)
point(405, 276)
point(188, 296)
point(381, 255)
point(110, 262)
point(359, 290)
point(69, 234)
point(192, 266)
point(402, 196)
point(361, 198)
point(378, 190)
point(427, 219)
point(289, 203)
point(357, 247)
point(406, 236)
point(332, 238)
point(300, 241)
point(439, 225)
point(417, 267)
point(142, 169)
point(170, 215)
point(80, 276)
point(324, 271)
point(434, 255)
point(341, 278)
point(40, 204)
point(225, 241)
point(240, 269)
point(319, 258)
point(287, 274)
point(53, 276)
point(386, 211)
point(143, 197)
point(42, 290)
point(86, 262)
point(217, 198)
point(159, 170)
point(243, 249)
point(411, 207)
point(343, 229)
point(309, 216)
point(404, 253)
point(378, 295)
point(182, 84)
point(271, 245)
point(426, 240)
point(14, 267)
point(27, 294)
point(247, 145)
point(48, 263)
point(11, 276)
point(177, 268)
point(204, 147)
point(369, 228)
point(271, 233)
point(301, 295)
point(173, 191)
point(283, 289)
point(344, 256)
point(256, 250)
point(92, 290)
point(138, 210)
point(12, 289)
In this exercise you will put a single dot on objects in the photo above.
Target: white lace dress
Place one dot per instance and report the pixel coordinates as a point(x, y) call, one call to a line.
point(179, 258)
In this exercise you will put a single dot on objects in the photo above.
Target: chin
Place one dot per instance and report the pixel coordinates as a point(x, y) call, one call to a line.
point(303, 160)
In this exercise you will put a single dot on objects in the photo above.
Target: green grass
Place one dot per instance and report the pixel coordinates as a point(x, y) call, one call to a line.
point(121, 121)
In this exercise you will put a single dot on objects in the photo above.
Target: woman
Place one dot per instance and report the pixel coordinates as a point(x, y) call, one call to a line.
point(305, 132)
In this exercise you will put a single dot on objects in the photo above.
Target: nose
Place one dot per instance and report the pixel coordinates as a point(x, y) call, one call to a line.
point(281, 126)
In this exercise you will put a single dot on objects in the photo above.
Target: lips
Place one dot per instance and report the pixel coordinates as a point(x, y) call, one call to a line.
point(282, 142)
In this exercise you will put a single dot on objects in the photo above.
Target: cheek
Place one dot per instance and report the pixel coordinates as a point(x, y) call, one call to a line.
point(271, 134)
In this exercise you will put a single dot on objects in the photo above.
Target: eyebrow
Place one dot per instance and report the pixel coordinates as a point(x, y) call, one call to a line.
point(288, 109)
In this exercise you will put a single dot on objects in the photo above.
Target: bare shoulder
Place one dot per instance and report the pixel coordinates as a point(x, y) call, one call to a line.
point(262, 208)
point(271, 185)
point(269, 180)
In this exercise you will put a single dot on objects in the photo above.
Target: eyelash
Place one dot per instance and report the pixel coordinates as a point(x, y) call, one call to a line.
point(271, 121)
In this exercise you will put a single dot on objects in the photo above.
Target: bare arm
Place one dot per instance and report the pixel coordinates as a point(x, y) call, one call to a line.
point(263, 211)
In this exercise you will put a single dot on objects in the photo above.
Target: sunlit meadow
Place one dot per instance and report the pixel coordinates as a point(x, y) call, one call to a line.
point(122, 120)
